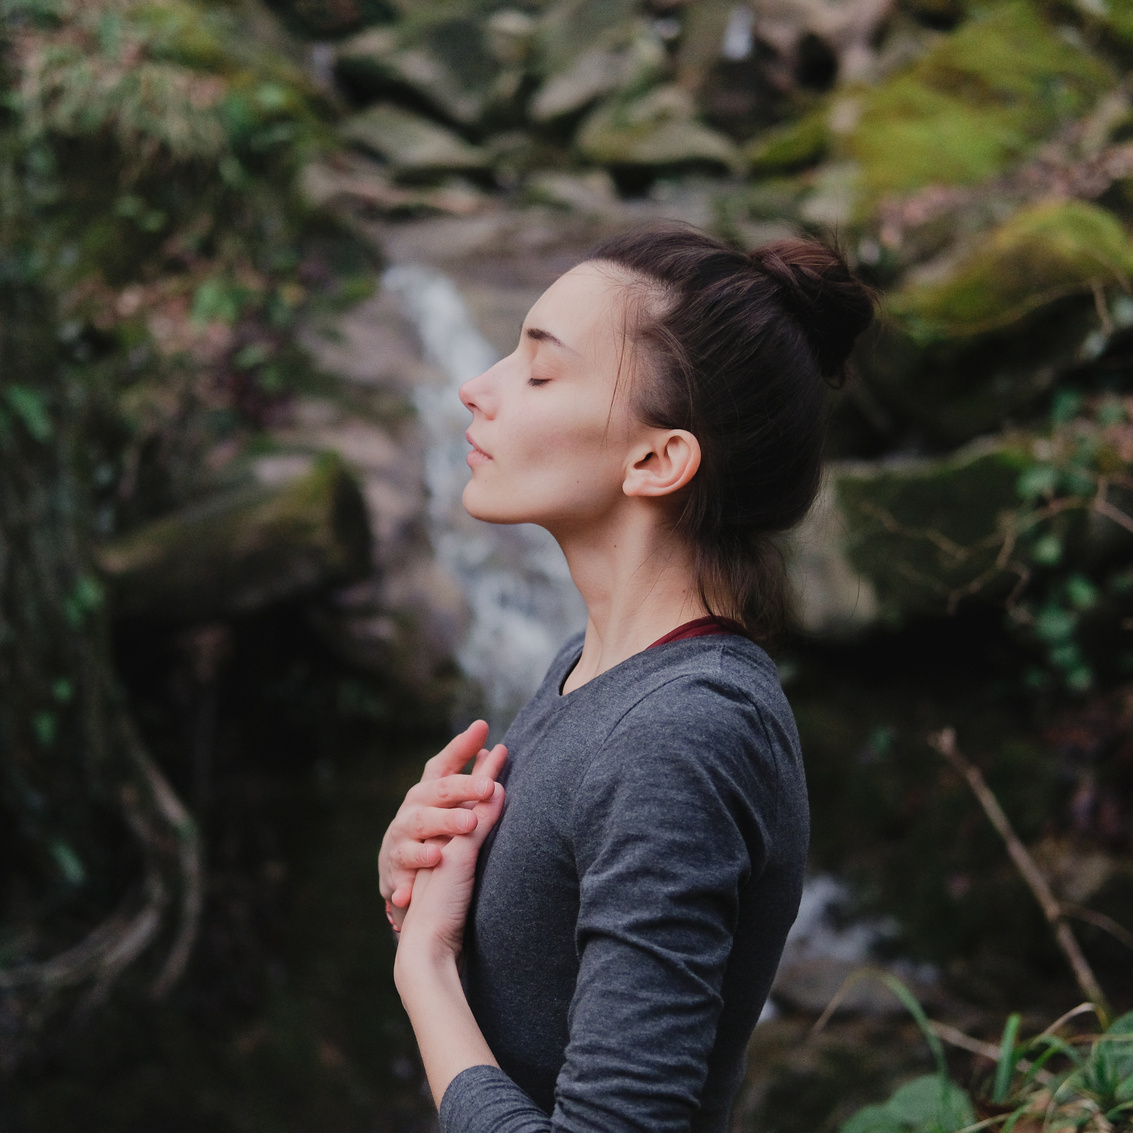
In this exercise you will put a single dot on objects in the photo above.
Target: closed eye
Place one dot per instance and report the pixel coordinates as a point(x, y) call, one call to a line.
point(537, 381)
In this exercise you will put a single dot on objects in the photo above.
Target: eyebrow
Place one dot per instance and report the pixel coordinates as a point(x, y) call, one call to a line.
point(546, 336)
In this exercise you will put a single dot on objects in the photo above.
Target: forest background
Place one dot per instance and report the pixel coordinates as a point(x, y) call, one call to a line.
point(229, 635)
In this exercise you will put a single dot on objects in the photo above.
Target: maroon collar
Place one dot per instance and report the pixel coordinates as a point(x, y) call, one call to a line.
point(700, 627)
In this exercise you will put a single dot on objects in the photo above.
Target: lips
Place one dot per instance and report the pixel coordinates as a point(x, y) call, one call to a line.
point(477, 455)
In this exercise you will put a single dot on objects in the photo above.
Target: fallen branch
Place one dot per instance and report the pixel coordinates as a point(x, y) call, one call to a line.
point(944, 742)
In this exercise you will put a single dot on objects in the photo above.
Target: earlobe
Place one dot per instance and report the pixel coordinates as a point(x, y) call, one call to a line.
point(666, 466)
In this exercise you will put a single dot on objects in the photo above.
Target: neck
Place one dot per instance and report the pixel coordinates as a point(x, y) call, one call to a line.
point(638, 584)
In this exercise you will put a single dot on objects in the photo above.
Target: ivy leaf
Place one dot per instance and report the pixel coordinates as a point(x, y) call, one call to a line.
point(29, 406)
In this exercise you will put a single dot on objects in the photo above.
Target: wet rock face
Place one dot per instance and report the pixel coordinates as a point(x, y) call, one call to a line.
point(975, 164)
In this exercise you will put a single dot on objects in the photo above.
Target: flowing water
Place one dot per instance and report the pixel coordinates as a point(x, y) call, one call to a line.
point(516, 583)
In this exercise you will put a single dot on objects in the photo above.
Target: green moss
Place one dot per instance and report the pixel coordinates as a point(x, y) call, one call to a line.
point(926, 531)
point(789, 147)
point(974, 103)
point(1042, 253)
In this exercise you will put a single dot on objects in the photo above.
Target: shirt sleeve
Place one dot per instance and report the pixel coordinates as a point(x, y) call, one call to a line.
point(670, 823)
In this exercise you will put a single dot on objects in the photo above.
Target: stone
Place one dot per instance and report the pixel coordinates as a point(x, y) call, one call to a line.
point(413, 147)
point(511, 36)
point(289, 535)
point(354, 182)
point(569, 27)
point(927, 533)
point(595, 72)
point(443, 63)
point(790, 147)
point(658, 130)
point(832, 600)
point(592, 192)
point(977, 101)
point(318, 18)
point(1043, 253)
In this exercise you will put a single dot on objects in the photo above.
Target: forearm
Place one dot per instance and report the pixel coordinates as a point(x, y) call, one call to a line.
point(447, 1033)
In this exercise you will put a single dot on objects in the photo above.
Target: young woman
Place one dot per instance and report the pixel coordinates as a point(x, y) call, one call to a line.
point(595, 955)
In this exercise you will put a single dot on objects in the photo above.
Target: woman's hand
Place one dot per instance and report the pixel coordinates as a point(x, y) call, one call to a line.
point(433, 929)
point(440, 806)
point(426, 970)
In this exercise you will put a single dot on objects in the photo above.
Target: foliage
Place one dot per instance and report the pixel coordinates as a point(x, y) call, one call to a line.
point(1040, 1085)
point(157, 146)
point(154, 256)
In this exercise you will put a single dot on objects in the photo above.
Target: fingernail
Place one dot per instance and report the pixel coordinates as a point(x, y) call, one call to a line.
point(482, 786)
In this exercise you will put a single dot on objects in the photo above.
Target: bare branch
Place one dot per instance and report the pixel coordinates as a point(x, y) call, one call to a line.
point(944, 742)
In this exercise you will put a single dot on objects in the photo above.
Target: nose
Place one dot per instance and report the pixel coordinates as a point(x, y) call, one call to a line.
point(476, 393)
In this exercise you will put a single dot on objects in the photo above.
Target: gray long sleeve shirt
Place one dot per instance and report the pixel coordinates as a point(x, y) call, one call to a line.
point(632, 902)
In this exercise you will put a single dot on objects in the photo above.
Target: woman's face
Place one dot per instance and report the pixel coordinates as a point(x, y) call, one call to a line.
point(551, 444)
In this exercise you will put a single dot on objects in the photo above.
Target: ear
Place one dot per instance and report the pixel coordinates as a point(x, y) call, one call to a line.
point(663, 464)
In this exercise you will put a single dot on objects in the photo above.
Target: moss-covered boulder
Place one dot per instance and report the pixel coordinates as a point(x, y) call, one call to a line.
point(927, 533)
point(658, 131)
point(414, 148)
point(442, 60)
point(789, 147)
point(974, 103)
point(977, 338)
point(568, 28)
point(629, 61)
point(242, 550)
point(1044, 252)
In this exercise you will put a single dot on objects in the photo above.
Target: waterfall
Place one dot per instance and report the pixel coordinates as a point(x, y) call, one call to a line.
point(522, 602)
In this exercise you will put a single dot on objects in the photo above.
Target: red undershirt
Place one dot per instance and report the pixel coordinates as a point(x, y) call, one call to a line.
point(700, 627)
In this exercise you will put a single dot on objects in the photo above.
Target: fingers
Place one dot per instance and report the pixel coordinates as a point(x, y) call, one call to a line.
point(457, 752)
point(487, 814)
point(492, 765)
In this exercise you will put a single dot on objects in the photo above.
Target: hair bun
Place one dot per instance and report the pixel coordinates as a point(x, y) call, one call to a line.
point(816, 286)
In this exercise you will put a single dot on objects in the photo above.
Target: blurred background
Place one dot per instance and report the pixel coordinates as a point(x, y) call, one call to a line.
point(249, 250)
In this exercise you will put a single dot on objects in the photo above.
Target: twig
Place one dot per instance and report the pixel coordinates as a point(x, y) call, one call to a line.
point(1100, 920)
point(955, 1037)
point(944, 742)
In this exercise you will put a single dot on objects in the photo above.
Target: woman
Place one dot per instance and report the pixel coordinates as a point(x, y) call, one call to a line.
point(663, 418)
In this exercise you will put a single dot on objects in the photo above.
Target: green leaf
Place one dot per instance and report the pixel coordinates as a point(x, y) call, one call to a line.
point(1038, 480)
point(72, 869)
point(45, 727)
point(1067, 403)
point(1047, 550)
point(218, 300)
point(1083, 594)
point(929, 1104)
point(1056, 625)
point(29, 406)
point(1008, 1055)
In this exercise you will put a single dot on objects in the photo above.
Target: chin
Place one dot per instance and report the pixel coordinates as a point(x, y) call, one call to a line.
point(479, 508)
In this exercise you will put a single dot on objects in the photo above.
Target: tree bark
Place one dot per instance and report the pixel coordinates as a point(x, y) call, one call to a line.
point(99, 861)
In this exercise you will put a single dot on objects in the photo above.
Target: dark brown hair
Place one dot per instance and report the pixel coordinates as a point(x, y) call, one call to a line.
point(739, 350)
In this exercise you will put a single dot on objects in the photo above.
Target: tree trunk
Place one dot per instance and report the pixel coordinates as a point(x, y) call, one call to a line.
point(79, 796)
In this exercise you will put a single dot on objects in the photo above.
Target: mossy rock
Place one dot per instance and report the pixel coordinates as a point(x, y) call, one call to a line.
point(658, 131)
point(791, 147)
point(1043, 253)
point(243, 550)
point(570, 27)
point(439, 59)
point(927, 532)
point(414, 148)
point(600, 70)
point(322, 18)
point(973, 104)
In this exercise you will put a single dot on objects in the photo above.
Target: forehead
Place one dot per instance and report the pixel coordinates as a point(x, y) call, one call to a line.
point(586, 301)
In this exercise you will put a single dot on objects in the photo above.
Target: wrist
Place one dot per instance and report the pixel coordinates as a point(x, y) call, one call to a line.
point(426, 962)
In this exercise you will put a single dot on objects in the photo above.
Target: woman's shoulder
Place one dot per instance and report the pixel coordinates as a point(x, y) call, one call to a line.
point(721, 669)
